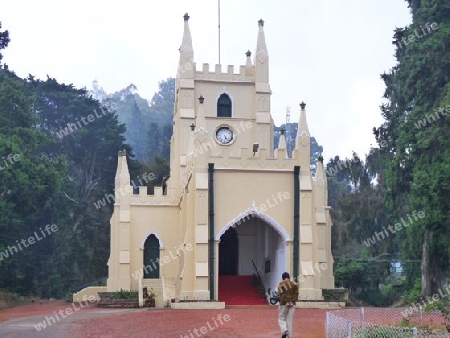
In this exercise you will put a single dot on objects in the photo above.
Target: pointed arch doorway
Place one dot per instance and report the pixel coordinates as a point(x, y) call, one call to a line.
point(252, 237)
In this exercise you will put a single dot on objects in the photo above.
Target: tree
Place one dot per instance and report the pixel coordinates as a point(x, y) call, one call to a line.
point(144, 120)
point(162, 103)
point(358, 210)
point(4, 40)
point(412, 137)
point(28, 185)
point(154, 142)
point(88, 135)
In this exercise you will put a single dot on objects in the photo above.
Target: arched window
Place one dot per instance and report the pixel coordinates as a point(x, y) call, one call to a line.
point(151, 257)
point(224, 106)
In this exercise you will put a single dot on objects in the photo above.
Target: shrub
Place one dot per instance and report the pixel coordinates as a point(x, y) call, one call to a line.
point(10, 299)
point(124, 294)
point(384, 331)
point(413, 294)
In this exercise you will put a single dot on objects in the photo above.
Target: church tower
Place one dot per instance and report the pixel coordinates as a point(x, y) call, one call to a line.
point(227, 172)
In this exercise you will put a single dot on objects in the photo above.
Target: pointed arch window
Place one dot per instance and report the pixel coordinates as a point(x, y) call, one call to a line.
point(224, 106)
point(151, 257)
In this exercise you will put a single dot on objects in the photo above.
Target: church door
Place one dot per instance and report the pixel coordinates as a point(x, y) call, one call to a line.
point(151, 254)
point(229, 253)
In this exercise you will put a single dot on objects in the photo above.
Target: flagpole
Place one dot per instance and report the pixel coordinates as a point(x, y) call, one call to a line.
point(219, 27)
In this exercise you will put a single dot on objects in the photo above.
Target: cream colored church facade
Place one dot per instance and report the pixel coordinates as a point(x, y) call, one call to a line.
point(231, 200)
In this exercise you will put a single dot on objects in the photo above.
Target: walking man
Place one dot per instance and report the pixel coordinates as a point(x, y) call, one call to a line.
point(288, 293)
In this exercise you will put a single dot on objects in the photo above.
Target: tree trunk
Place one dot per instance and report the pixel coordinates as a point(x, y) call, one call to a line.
point(431, 274)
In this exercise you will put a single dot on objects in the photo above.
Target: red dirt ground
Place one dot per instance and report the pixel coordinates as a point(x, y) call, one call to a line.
point(242, 322)
point(259, 321)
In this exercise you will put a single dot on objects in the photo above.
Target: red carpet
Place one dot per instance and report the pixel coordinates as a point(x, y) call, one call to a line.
point(239, 290)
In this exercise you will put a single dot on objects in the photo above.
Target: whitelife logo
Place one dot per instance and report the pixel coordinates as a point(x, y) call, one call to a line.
point(49, 229)
point(72, 127)
point(10, 160)
point(427, 30)
point(425, 301)
point(436, 115)
point(398, 226)
point(207, 328)
point(49, 320)
point(109, 198)
point(182, 249)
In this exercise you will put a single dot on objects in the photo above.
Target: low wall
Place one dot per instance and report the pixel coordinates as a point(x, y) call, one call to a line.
point(92, 291)
point(319, 305)
point(197, 305)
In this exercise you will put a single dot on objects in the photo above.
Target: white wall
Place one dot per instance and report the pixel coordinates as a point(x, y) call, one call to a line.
point(260, 242)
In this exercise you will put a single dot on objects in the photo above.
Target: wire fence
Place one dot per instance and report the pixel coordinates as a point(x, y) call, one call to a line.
point(386, 323)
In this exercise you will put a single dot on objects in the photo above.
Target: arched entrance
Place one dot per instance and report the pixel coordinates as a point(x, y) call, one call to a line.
point(229, 253)
point(151, 257)
point(251, 240)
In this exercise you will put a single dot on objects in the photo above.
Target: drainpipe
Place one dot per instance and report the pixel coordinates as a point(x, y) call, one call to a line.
point(211, 229)
point(296, 218)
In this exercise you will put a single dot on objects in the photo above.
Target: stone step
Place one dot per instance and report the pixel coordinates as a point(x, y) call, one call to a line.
point(156, 285)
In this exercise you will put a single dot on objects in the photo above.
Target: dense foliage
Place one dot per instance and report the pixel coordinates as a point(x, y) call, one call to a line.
point(4, 40)
point(411, 167)
point(415, 135)
point(66, 158)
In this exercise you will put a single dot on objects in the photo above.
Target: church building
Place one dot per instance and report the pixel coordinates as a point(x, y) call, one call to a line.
point(233, 205)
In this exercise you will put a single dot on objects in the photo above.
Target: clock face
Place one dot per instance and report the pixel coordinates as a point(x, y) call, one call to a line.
point(224, 135)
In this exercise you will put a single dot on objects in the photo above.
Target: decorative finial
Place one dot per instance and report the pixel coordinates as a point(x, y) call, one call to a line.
point(192, 126)
point(186, 17)
point(122, 152)
point(320, 159)
point(282, 130)
point(302, 105)
point(248, 53)
point(261, 22)
point(201, 99)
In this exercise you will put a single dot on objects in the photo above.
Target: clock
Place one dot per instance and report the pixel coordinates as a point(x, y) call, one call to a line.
point(224, 135)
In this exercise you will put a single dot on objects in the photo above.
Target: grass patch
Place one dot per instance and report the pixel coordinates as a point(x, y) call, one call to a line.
point(11, 299)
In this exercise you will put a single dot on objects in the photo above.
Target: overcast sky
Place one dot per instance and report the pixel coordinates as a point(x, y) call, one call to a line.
point(329, 54)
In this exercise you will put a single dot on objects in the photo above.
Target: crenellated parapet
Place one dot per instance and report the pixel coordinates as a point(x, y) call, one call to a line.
point(262, 159)
point(243, 75)
point(157, 198)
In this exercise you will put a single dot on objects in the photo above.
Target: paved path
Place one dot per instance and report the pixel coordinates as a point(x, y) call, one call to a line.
point(26, 327)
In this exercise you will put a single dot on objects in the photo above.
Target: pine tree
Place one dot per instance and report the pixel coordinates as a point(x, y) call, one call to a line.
point(414, 137)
